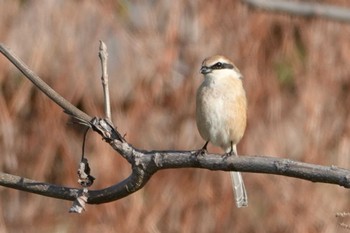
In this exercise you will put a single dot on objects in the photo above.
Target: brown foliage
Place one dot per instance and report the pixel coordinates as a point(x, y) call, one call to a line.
point(297, 79)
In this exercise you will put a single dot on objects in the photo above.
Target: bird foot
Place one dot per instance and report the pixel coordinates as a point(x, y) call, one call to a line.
point(201, 152)
point(228, 154)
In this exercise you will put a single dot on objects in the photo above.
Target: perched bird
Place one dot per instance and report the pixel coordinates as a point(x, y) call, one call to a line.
point(221, 112)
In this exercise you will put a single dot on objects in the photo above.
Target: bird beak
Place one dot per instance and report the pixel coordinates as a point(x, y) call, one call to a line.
point(205, 70)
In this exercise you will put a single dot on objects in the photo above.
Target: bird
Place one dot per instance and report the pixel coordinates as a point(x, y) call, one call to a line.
point(221, 113)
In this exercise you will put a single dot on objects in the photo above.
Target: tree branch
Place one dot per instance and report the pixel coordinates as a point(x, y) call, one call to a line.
point(145, 163)
point(104, 78)
point(304, 9)
point(46, 89)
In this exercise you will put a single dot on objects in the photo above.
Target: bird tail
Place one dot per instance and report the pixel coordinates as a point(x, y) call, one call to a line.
point(240, 194)
point(239, 191)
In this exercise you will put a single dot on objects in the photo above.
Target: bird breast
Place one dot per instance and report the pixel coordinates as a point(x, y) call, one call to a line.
point(221, 111)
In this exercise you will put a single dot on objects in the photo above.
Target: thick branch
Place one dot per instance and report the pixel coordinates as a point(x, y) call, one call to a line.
point(146, 163)
point(45, 189)
point(305, 9)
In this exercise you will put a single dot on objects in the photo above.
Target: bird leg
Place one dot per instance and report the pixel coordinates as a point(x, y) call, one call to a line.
point(203, 151)
point(230, 153)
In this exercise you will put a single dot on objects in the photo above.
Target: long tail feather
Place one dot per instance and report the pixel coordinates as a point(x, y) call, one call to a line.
point(239, 191)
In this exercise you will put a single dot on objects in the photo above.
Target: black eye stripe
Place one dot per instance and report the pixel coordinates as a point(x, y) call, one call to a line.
point(220, 65)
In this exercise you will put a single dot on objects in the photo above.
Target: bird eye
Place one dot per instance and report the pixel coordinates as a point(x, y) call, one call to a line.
point(218, 65)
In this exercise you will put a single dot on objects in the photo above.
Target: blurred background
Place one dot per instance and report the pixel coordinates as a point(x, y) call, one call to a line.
point(297, 78)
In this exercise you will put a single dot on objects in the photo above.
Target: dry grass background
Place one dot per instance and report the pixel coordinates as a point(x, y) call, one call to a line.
point(297, 77)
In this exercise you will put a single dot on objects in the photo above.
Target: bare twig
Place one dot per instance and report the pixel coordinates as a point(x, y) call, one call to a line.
point(104, 78)
point(304, 9)
point(145, 163)
point(46, 89)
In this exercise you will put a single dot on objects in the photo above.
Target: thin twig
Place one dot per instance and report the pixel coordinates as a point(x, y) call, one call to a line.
point(305, 9)
point(46, 89)
point(104, 78)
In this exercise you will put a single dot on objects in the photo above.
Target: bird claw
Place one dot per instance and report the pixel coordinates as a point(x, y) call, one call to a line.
point(201, 152)
point(228, 154)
